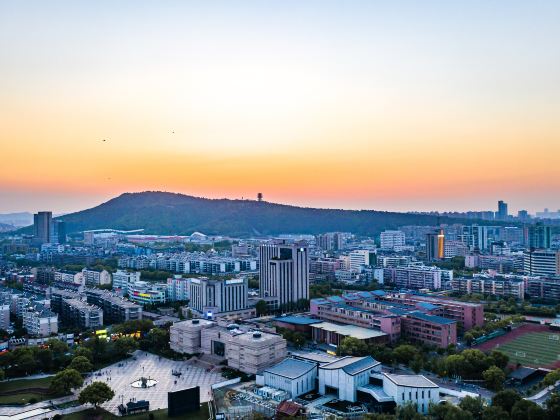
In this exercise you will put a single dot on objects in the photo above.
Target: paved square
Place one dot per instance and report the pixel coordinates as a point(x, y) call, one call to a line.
point(147, 365)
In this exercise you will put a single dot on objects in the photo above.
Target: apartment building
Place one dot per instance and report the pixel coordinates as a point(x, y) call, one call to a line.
point(146, 293)
point(506, 287)
point(115, 308)
point(39, 321)
point(81, 314)
point(95, 277)
point(123, 278)
point(177, 288)
point(420, 277)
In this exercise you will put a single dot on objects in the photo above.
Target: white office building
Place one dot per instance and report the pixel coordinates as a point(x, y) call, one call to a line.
point(210, 297)
point(392, 238)
point(177, 288)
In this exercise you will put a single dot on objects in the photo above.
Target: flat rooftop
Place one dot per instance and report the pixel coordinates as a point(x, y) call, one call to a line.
point(349, 330)
point(297, 320)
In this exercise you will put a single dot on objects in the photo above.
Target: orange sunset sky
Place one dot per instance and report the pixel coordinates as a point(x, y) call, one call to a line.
point(346, 104)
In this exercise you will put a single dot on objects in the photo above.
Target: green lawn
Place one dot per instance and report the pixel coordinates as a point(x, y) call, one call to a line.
point(90, 414)
point(533, 349)
point(25, 396)
point(26, 383)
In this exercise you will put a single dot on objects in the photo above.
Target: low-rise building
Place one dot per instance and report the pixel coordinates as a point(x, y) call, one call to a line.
point(146, 293)
point(93, 277)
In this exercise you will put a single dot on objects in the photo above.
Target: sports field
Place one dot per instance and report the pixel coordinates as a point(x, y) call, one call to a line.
point(536, 349)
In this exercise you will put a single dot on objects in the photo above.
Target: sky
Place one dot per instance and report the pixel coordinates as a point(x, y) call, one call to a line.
point(405, 106)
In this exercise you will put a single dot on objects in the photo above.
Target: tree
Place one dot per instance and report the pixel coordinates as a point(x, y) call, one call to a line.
point(520, 410)
point(58, 347)
point(552, 377)
point(85, 352)
point(469, 338)
point(2, 375)
point(405, 353)
point(408, 412)
point(95, 394)
point(473, 405)
point(506, 399)
point(352, 347)
point(494, 378)
point(65, 381)
point(500, 358)
point(553, 406)
point(416, 364)
point(125, 345)
point(495, 413)
point(261, 307)
point(81, 364)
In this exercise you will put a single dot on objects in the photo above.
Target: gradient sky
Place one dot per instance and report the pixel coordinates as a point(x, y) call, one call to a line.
point(348, 104)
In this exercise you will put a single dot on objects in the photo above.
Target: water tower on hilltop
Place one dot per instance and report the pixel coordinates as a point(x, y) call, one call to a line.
point(259, 197)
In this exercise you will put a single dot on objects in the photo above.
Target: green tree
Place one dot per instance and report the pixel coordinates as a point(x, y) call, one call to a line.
point(520, 410)
point(473, 405)
point(351, 346)
point(81, 364)
point(65, 381)
point(553, 406)
point(44, 358)
point(58, 347)
point(494, 378)
point(408, 412)
point(469, 338)
point(552, 377)
point(261, 308)
point(499, 358)
point(416, 364)
point(125, 345)
point(405, 353)
point(2, 375)
point(506, 399)
point(85, 352)
point(95, 394)
point(495, 413)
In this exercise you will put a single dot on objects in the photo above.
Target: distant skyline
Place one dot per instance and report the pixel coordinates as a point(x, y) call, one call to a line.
point(404, 106)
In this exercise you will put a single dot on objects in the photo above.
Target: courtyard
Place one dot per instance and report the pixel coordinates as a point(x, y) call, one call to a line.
point(120, 377)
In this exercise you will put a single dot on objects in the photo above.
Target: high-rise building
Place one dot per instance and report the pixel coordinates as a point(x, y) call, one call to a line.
point(392, 238)
point(537, 236)
point(58, 232)
point(475, 237)
point(541, 263)
point(284, 271)
point(42, 226)
point(502, 213)
point(435, 245)
point(210, 297)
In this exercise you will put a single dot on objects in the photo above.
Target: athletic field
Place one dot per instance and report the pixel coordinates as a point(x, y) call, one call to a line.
point(536, 349)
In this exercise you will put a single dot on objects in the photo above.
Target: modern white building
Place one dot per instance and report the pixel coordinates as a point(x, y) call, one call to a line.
point(297, 377)
point(359, 259)
point(123, 278)
point(541, 262)
point(406, 389)
point(40, 321)
point(392, 238)
point(146, 293)
point(210, 297)
point(343, 377)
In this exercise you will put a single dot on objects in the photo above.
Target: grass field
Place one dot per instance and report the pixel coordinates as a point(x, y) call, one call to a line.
point(25, 395)
point(90, 414)
point(537, 349)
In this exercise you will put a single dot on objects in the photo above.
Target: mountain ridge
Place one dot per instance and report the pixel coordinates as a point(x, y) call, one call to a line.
point(160, 212)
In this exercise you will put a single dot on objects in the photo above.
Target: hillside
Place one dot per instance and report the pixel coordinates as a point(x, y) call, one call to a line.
point(169, 213)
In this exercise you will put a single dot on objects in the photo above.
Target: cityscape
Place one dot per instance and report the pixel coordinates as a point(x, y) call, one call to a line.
point(316, 210)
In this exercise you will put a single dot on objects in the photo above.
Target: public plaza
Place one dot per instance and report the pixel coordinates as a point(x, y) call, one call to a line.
point(120, 377)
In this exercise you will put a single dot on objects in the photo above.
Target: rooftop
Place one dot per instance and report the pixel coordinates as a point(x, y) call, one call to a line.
point(291, 368)
point(350, 330)
point(417, 381)
point(352, 365)
point(297, 320)
point(431, 318)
